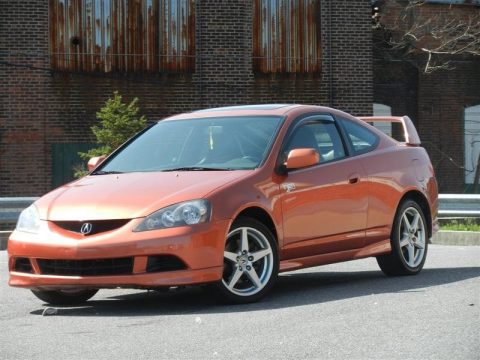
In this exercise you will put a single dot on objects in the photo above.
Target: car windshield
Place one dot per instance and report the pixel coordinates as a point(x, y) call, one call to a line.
point(223, 143)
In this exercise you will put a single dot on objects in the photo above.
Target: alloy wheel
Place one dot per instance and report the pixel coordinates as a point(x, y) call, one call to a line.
point(412, 237)
point(248, 261)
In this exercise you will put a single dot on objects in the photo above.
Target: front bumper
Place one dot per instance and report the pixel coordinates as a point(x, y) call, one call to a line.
point(199, 247)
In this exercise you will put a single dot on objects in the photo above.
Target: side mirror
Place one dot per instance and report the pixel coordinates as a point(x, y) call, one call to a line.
point(301, 158)
point(95, 161)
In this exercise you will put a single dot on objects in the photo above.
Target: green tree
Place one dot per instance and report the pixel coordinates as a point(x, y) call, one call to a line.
point(118, 122)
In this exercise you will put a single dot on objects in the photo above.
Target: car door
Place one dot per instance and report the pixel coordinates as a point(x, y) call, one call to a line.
point(382, 190)
point(324, 206)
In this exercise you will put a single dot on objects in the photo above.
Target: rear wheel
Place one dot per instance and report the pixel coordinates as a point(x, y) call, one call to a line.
point(250, 262)
point(64, 297)
point(409, 242)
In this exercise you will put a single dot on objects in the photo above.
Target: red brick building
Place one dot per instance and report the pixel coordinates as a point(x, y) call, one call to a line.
point(61, 59)
point(444, 104)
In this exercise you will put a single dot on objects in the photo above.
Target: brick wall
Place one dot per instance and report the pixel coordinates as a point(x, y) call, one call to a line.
point(22, 97)
point(435, 101)
point(41, 107)
point(443, 97)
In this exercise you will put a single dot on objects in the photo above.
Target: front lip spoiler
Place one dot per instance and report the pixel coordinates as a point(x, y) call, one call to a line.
point(144, 280)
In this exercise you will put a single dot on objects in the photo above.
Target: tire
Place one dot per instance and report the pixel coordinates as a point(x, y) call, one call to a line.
point(409, 241)
point(61, 297)
point(250, 262)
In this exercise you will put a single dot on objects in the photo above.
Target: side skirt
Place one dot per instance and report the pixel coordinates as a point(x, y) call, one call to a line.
point(379, 248)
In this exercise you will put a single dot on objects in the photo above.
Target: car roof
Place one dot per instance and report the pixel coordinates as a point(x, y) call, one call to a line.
point(291, 111)
point(248, 107)
point(251, 110)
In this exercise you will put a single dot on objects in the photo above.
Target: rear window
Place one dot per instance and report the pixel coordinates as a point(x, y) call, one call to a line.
point(362, 139)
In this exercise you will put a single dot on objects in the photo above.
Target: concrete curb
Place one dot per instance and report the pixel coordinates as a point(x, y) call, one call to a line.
point(444, 237)
point(448, 237)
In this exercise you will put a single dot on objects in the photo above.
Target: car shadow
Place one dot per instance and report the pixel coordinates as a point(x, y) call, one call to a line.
point(291, 289)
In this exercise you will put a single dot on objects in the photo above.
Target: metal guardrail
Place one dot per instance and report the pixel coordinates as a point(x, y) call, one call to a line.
point(458, 205)
point(10, 208)
point(451, 205)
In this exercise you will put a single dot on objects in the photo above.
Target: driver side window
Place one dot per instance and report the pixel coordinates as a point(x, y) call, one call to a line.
point(320, 136)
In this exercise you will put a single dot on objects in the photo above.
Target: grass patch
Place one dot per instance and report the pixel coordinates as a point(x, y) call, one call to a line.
point(465, 225)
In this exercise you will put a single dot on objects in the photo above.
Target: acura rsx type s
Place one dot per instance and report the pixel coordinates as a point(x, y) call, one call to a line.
point(231, 197)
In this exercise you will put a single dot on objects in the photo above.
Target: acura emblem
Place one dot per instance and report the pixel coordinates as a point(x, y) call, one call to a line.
point(86, 228)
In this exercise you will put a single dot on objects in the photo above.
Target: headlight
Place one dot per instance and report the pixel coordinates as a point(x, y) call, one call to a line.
point(29, 220)
point(185, 213)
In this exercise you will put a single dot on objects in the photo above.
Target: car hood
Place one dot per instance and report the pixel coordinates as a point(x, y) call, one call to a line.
point(130, 195)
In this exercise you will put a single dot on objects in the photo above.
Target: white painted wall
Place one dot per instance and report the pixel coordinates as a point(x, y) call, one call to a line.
point(383, 110)
point(472, 141)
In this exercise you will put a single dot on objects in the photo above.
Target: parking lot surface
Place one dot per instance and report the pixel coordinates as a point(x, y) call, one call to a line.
point(340, 311)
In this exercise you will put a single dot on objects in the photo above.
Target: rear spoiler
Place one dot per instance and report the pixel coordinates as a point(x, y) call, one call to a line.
point(409, 131)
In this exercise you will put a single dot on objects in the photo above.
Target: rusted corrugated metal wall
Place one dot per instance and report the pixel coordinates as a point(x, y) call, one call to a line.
point(122, 35)
point(286, 36)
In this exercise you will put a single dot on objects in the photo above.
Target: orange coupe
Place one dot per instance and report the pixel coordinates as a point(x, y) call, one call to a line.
point(231, 197)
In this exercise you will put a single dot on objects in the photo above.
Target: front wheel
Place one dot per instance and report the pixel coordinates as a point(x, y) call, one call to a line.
point(408, 240)
point(64, 297)
point(250, 262)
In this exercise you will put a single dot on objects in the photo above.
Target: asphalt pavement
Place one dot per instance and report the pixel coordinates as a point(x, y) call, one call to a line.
point(340, 311)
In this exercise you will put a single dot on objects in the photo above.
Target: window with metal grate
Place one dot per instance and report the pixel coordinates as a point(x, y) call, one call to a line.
point(286, 36)
point(122, 35)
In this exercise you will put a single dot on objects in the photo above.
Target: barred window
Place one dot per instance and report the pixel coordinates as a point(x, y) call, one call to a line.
point(286, 36)
point(122, 35)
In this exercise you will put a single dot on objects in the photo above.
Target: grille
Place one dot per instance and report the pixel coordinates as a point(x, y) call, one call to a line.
point(96, 267)
point(98, 226)
point(23, 265)
point(164, 263)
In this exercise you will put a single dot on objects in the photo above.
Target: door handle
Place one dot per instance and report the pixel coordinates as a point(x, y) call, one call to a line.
point(353, 179)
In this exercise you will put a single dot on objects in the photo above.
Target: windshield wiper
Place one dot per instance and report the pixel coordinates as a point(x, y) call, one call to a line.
point(197, 168)
point(102, 172)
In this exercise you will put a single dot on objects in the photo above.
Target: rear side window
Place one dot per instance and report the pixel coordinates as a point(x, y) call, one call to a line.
point(362, 139)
